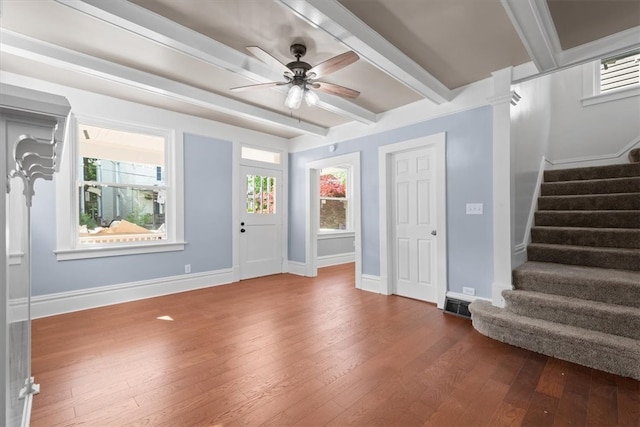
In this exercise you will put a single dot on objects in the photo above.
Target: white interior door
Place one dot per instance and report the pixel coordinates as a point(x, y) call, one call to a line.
point(414, 223)
point(260, 222)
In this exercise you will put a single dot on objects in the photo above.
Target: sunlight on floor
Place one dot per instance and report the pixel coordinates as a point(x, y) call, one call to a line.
point(165, 318)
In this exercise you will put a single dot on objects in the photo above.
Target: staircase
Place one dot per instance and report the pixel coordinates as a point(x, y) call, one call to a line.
point(578, 296)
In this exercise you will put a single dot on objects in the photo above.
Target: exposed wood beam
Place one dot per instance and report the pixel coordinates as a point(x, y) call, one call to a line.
point(163, 31)
point(67, 59)
point(532, 21)
point(340, 23)
point(615, 44)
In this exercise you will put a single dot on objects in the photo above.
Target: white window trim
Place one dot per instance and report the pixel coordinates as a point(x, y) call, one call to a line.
point(348, 198)
point(591, 87)
point(335, 234)
point(67, 244)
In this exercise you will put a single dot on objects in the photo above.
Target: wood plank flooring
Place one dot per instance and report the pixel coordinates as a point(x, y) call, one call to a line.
point(286, 350)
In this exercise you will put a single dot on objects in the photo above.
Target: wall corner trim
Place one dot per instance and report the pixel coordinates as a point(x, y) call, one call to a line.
point(297, 268)
point(370, 283)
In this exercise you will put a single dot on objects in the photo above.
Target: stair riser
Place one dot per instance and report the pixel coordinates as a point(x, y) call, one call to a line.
point(591, 202)
point(624, 185)
point(595, 219)
point(627, 325)
point(623, 238)
point(622, 261)
point(602, 172)
point(602, 356)
point(621, 293)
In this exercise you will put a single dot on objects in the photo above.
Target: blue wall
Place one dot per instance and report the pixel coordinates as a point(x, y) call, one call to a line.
point(207, 222)
point(469, 180)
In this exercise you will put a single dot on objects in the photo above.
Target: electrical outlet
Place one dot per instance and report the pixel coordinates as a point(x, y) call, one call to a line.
point(468, 291)
point(474, 208)
point(187, 268)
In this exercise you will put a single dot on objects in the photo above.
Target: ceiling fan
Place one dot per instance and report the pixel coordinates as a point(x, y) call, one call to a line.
point(301, 76)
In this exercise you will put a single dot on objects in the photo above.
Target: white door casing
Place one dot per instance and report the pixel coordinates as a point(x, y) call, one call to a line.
point(261, 214)
point(413, 223)
point(438, 243)
point(312, 174)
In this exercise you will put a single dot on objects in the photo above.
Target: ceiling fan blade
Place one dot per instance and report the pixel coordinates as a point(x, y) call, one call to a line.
point(334, 89)
point(268, 59)
point(259, 86)
point(334, 64)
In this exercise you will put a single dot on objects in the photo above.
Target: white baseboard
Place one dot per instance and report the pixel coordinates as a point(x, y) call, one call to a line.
point(297, 268)
point(617, 158)
point(468, 298)
point(336, 259)
point(66, 302)
point(370, 283)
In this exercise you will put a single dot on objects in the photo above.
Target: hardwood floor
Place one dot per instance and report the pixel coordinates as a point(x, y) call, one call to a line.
point(286, 350)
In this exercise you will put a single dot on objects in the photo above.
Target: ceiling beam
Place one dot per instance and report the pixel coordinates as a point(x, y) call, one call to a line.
point(532, 21)
point(170, 34)
point(340, 23)
point(47, 53)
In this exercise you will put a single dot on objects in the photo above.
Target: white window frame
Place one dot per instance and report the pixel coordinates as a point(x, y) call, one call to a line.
point(591, 94)
point(349, 226)
point(67, 209)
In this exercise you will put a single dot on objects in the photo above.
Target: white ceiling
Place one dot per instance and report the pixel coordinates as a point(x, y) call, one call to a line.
point(185, 55)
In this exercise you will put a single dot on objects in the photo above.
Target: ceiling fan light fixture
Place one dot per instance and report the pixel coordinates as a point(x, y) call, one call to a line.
point(294, 97)
point(311, 98)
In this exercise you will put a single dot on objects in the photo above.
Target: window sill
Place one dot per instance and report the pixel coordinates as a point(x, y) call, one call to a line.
point(335, 234)
point(107, 251)
point(610, 96)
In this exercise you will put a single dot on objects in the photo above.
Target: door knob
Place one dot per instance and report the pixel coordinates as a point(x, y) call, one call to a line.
point(433, 232)
point(242, 230)
point(242, 223)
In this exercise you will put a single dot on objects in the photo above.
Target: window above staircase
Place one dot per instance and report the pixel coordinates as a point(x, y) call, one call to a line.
point(621, 72)
point(611, 79)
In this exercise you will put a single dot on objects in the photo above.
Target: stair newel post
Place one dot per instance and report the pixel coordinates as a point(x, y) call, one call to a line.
point(503, 186)
point(33, 125)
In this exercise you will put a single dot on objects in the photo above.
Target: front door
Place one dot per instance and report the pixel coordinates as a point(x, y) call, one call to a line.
point(260, 222)
point(414, 223)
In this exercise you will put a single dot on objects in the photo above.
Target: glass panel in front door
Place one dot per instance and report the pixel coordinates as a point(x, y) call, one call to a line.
point(261, 194)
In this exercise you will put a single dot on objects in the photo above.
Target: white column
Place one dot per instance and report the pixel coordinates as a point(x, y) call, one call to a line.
point(502, 185)
point(4, 253)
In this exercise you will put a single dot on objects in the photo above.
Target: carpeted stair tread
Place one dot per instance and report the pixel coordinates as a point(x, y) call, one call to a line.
point(596, 172)
point(606, 352)
point(617, 258)
point(620, 287)
point(598, 316)
point(587, 236)
point(596, 218)
point(592, 186)
point(617, 201)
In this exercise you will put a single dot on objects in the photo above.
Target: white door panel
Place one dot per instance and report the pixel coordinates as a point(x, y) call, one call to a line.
point(413, 190)
point(260, 222)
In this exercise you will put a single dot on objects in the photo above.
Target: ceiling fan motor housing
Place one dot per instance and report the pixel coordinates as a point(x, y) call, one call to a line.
point(299, 68)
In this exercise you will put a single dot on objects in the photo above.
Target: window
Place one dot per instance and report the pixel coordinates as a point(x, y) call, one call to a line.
point(122, 191)
point(620, 72)
point(261, 194)
point(121, 194)
point(248, 153)
point(334, 199)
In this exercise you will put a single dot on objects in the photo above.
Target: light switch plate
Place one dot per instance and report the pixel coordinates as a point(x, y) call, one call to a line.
point(474, 208)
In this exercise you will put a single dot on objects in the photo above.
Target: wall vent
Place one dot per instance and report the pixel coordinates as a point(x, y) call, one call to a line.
point(457, 307)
